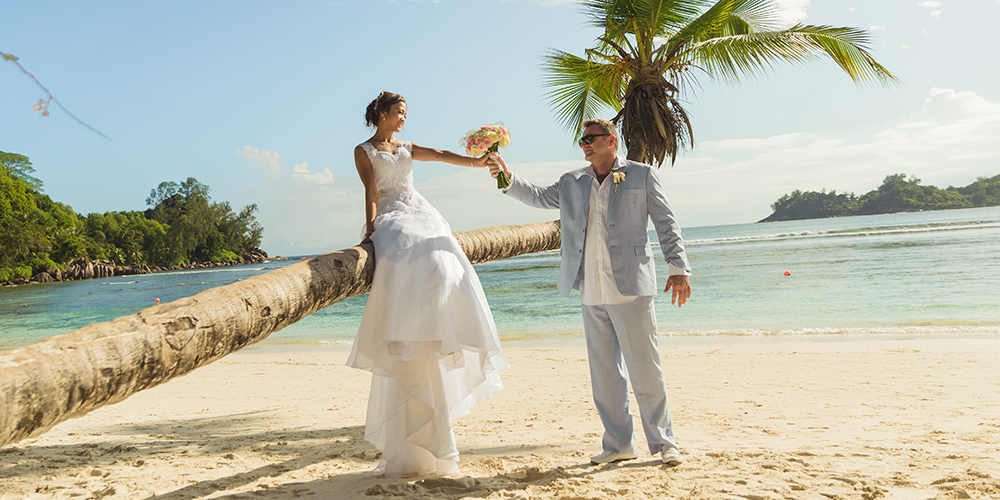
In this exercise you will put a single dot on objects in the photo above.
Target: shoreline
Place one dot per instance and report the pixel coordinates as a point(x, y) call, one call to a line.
point(674, 339)
point(864, 418)
point(100, 269)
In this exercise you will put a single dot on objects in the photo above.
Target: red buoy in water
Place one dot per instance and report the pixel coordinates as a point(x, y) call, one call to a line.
point(157, 300)
point(788, 273)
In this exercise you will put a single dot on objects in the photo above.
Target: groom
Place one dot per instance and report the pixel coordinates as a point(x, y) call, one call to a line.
point(606, 254)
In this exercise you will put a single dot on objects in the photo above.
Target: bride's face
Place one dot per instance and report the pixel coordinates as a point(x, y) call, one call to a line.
point(395, 117)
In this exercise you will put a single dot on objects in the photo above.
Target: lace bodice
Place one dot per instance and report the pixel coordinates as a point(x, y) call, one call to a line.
point(393, 172)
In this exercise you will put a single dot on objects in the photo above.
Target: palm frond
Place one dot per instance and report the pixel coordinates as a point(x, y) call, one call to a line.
point(724, 18)
point(622, 53)
point(731, 57)
point(653, 17)
point(580, 87)
point(756, 15)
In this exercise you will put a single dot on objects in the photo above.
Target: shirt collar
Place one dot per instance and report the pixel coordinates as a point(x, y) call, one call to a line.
point(620, 164)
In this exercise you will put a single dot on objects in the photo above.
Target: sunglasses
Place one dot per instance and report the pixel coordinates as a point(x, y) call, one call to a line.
point(589, 138)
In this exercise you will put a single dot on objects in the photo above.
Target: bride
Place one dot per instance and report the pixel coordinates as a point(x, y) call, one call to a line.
point(427, 334)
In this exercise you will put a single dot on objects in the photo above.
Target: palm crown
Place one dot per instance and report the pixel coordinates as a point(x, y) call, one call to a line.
point(650, 48)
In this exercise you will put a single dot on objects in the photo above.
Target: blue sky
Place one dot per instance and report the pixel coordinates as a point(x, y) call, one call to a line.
point(264, 101)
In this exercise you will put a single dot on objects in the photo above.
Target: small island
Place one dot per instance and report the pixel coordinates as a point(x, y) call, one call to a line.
point(42, 240)
point(898, 193)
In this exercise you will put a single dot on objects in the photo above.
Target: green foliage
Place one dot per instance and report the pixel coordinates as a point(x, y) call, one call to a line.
point(10, 273)
point(19, 167)
point(21, 232)
point(896, 194)
point(985, 192)
point(814, 205)
point(899, 194)
point(183, 225)
point(240, 232)
point(223, 256)
point(199, 230)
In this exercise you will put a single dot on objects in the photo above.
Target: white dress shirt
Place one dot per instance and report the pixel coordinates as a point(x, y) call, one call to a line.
point(597, 286)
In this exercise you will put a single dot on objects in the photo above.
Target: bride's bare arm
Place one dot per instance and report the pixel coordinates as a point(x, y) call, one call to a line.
point(421, 153)
point(364, 165)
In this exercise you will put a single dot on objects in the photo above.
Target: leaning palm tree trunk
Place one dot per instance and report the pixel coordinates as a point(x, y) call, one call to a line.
point(69, 375)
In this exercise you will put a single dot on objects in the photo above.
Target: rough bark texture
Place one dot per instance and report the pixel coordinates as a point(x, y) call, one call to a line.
point(69, 375)
point(501, 242)
point(653, 123)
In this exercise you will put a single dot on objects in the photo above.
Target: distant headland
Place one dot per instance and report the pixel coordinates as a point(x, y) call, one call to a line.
point(898, 193)
point(42, 240)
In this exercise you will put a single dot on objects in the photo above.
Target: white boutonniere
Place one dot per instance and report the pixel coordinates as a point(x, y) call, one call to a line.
point(617, 177)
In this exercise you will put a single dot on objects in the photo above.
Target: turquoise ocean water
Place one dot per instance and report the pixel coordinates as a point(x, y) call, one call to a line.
point(933, 274)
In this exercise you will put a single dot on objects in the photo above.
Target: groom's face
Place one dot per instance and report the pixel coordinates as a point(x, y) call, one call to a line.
point(602, 149)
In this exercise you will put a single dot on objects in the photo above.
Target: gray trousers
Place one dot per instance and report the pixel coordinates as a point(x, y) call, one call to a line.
point(622, 346)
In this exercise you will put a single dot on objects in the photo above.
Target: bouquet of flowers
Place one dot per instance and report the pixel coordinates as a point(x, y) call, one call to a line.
point(488, 139)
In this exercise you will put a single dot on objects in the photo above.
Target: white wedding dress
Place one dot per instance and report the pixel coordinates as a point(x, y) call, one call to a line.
point(427, 333)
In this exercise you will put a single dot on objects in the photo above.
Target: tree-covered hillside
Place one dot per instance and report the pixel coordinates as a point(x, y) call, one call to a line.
point(896, 194)
point(183, 225)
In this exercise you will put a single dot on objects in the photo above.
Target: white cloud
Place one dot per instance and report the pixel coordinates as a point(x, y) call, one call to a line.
point(876, 27)
point(268, 161)
point(298, 209)
point(792, 11)
point(300, 172)
point(949, 106)
point(931, 4)
point(783, 141)
point(904, 46)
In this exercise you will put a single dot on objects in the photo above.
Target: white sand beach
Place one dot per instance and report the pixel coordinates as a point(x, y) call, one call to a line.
point(803, 418)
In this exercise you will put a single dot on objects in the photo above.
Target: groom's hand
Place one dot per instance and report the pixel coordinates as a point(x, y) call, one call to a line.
point(682, 289)
point(496, 164)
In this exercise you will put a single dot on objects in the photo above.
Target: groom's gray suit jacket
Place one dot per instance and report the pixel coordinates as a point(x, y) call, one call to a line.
point(632, 203)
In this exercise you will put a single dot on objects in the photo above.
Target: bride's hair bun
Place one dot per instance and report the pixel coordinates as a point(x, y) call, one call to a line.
point(383, 102)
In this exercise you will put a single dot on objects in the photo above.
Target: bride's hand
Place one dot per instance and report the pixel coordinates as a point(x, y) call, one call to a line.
point(481, 162)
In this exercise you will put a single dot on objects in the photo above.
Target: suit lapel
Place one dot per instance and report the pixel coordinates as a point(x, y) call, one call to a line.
point(583, 184)
point(621, 166)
